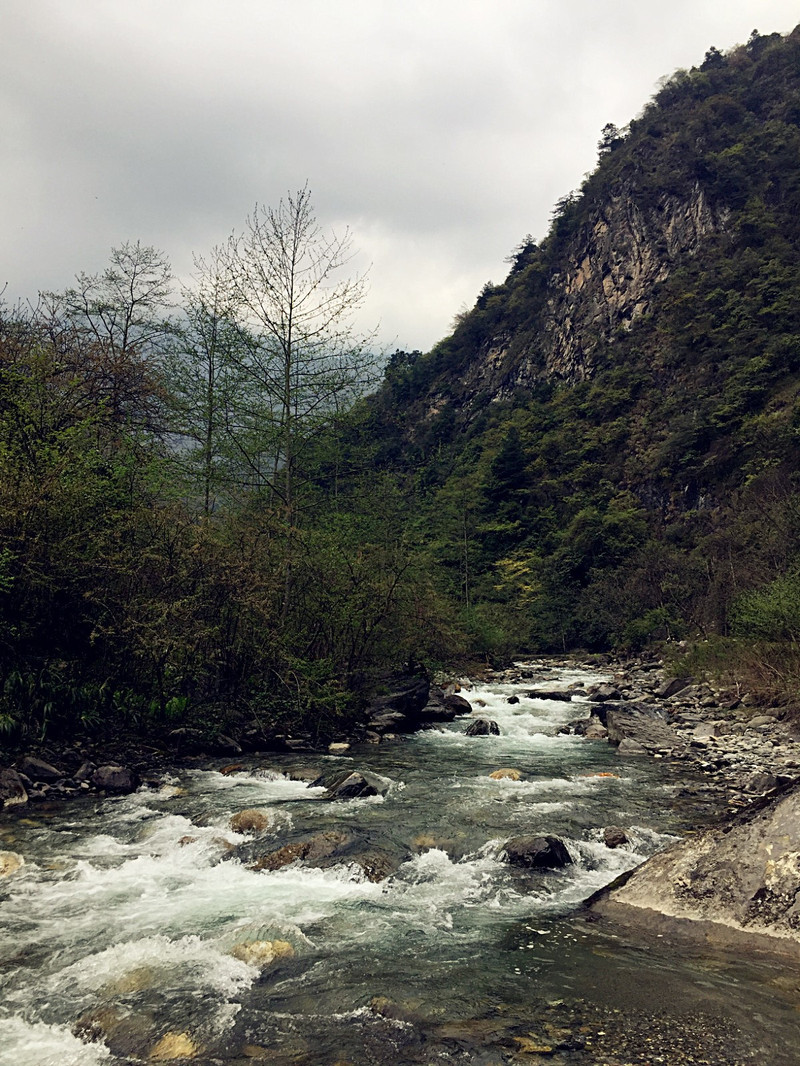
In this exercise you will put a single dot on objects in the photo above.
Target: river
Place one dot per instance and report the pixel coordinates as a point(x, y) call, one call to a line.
point(138, 929)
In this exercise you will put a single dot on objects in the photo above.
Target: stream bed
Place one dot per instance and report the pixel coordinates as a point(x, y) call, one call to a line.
point(139, 929)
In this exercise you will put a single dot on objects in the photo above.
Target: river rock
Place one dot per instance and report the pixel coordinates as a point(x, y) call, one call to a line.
point(262, 953)
point(39, 770)
point(112, 778)
point(614, 836)
point(742, 874)
point(173, 1046)
point(537, 852)
point(506, 774)
point(10, 862)
point(351, 784)
point(603, 692)
point(672, 687)
point(12, 790)
point(311, 849)
point(550, 694)
point(643, 724)
point(513, 699)
point(482, 727)
point(250, 820)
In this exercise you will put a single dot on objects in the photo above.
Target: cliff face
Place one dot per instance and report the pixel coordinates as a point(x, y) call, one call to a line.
point(606, 278)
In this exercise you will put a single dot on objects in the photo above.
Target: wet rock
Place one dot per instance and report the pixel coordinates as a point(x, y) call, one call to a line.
point(262, 953)
point(175, 1046)
point(10, 862)
point(338, 748)
point(741, 874)
point(39, 770)
point(482, 727)
point(405, 701)
point(250, 820)
point(614, 836)
point(311, 849)
point(550, 694)
point(537, 852)
point(351, 784)
point(12, 789)
point(112, 778)
point(506, 774)
point(232, 768)
point(513, 699)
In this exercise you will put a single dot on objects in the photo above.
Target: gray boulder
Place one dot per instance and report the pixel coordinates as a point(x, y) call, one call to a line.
point(643, 724)
point(112, 778)
point(550, 694)
point(742, 874)
point(537, 852)
point(12, 790)
point(482, 727)
point(351, 784)
point(39, 770)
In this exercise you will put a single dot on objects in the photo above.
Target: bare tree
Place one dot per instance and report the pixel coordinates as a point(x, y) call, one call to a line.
point(287, 285)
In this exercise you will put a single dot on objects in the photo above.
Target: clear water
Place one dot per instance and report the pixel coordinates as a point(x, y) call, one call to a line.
point(119, 935)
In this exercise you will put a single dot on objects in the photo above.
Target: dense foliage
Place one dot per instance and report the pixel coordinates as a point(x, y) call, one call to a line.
point(658, 496)
point(202, 523)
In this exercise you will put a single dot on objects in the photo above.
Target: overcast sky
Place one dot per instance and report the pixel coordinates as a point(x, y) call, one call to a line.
point(439, 131)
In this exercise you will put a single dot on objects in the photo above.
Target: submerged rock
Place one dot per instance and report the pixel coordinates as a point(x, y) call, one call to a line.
point(537, 852)
point(506, 774)
point(10, 862)
point(482, 727)
point(313, 848)
point(250, 821)
point(175, 1046)
point(262, 953)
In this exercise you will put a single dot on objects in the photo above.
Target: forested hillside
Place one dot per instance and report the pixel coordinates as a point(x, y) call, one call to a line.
point(211, 512)
point(606, 446)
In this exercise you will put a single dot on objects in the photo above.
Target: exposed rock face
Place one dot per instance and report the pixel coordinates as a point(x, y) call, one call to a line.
point(537, 852)
point(744, 874)
point(605, 282)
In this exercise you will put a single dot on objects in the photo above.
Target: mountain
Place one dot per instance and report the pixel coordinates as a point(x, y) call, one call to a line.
point(605, 449)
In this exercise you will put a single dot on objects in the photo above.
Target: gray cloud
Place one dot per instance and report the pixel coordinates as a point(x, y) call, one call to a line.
point(439, 131)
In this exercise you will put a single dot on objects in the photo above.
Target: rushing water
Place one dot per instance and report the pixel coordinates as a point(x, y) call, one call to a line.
point(124, 937)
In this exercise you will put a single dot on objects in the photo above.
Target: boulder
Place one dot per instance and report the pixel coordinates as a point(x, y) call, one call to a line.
point(12, 790)
point(338, 747)
point(262, 953)
point(643, 724)
point(112, 778)
point(513, 699)
point(311, 849)
point(672, 687)
point(482, 727)
point(550, 694)
point(351, 784)
point(39, 770)
point(602, 693)
point(537, 852)
point(742, 874)
point(250, 820)
point(614, 836)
